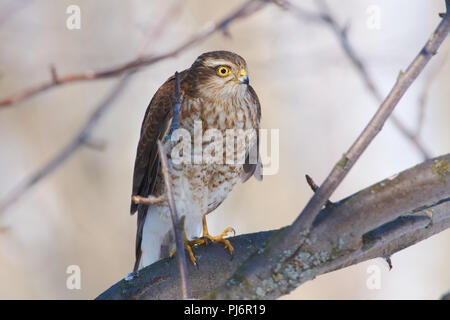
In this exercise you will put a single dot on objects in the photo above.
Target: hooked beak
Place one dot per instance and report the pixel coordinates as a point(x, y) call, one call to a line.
point(243, 77)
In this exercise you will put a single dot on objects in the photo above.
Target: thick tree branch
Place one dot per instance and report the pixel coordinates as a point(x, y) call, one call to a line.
point(384, 219)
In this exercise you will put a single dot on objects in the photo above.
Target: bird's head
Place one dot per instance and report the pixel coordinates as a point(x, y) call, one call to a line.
point(220, 73)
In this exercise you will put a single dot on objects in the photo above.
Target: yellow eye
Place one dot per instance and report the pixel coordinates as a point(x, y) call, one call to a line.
point(223, 71)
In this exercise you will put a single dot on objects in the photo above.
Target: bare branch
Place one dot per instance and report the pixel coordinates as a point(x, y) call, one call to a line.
point(403, 220)
point(326, 17)
point(149, 200)
point(247, 8)
point(257, 268)
point(178, 226)
point(69, 149)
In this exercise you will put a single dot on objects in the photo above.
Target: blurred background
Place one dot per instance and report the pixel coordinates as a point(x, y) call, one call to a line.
point(308, 88)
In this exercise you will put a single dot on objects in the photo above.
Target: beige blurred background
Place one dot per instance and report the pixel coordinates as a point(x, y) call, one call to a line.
point(308, 90)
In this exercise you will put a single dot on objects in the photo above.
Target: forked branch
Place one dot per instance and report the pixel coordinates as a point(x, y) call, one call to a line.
point(257, 268)
point(375, 222)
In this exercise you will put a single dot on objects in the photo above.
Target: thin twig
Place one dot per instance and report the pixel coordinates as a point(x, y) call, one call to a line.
point(314, 187)
point(149, 200)
point(178, 226)
point(389, 262)
point(247, 8)
point(325, 16)
point(69, 149)
point(257, 267)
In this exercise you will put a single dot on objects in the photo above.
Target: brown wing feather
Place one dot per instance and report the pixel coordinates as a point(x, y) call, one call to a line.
point(250, 169)
point(156, 121)
point(155, 124)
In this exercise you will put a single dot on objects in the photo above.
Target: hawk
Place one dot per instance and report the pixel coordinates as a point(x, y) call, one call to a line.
point(216, 94)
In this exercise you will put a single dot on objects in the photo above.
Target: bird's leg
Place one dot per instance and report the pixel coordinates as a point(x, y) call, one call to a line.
point(188, 244)
point(188, 247)
point(219, 238)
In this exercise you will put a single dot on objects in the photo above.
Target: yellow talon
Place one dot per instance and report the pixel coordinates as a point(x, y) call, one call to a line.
point(188, 244)
point(188, 247)
point(219, 238)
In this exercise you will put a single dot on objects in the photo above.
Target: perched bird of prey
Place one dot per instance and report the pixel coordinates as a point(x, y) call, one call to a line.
point(216, 95)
